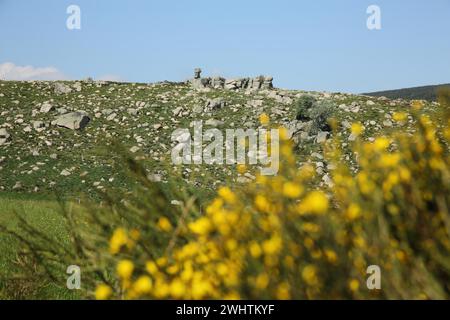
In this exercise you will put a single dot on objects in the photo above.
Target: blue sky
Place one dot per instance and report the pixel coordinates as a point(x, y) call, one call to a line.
point(310, 45)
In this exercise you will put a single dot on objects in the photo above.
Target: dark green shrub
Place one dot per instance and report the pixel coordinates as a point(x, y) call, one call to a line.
point(320, 115)
point(319, 112)
point(304, 104)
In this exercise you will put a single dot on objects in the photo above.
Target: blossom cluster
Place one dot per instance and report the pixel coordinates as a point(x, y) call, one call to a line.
point(281, 237)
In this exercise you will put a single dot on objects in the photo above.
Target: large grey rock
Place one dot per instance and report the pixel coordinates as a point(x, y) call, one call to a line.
point(62, 110)
point(197, 109)
point(74, 120)
point(267, 83)
point(217, 83)
point(257, 83)
point(65, 173)
point(197, 73)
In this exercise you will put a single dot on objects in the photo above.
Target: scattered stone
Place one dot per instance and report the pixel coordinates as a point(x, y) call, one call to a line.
point(38, 125)
point(316, 155)
point(346, 124)
point(107, 112)
point(155, 177)
point(322, 137)
point(133, 112)
point(387, 123)
point(61, 88)
point(62, 110)
point(176, 203)
point(46, 108)
point(134, 149)
point(197, 109)
point(243, 180)
point(177, 111)
point(215, 104)
point(182, 137)
point(111, 117)
point(17, 186)
point(4, 136)
point(327, 180)
point(65, 173)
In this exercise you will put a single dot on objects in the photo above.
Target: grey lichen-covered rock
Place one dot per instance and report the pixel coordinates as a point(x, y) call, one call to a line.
point(322, 137)
point(214, 104)
point(38, 125)
point(74, 120)
point(46, 107)
point(61, 88)
point(177, 111)
point(267, 83)
point(4, 136)
point(197, 73)
point(237, 84)
point(261, 82)
point(201, 83)
point(217, 82)
point(256, 83)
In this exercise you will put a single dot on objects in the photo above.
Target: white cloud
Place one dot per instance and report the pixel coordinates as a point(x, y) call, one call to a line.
point(9, 71)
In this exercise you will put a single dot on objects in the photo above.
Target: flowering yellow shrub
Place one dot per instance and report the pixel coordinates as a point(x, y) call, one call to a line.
point(280, 238)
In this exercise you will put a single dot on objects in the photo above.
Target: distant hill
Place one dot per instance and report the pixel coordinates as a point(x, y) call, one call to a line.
point(420, 93)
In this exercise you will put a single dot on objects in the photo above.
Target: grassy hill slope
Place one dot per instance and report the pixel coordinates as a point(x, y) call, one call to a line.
point(143, 117)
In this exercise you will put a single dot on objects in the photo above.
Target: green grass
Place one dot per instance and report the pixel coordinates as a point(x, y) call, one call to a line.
point(42, 214)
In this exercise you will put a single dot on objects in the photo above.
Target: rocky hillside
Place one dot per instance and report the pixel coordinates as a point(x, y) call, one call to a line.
point(52, 134)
